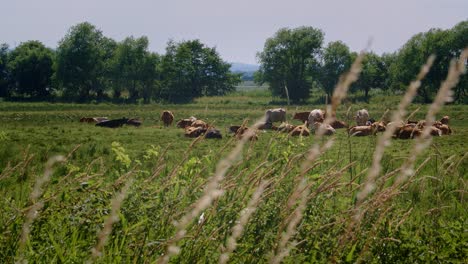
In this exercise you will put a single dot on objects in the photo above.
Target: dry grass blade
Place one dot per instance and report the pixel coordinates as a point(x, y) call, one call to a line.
point(443, 95)
point(211, 193)
point(33, 211)
point(104, 234)
point(384, 140)
point(238, 229)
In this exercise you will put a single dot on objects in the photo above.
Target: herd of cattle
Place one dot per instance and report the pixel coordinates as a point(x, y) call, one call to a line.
point(312, 121)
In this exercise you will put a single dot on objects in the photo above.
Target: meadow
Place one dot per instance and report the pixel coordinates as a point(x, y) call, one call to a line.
point(149, 194)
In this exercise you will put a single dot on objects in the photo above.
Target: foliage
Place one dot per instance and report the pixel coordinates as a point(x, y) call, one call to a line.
point(4, 73)
point(374, 71)
point(288, 60)
point(81, 59)
point(30, 66)
point(190, 69)
point(336, 60)
point(446, 44)
point(133, 68)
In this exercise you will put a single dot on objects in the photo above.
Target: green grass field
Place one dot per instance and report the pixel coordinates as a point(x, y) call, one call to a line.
point(162, 174)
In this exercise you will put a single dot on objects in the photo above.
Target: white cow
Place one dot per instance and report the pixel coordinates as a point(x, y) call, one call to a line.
point(275, 115)
point(315, 115)
point(362, 116)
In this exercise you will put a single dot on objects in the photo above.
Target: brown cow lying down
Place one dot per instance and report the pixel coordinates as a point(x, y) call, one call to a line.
point(301, 130)
point(329, 130)
point(302, 116)
point(93, 119)
point(286, 128)
point(199, 123)
point(379, 126)
point(134, 122)
point(193, 132)
point(167, 117)
point(360, 131)
point(213, 133)
point(445, 129)
point(434, 131)
point(183, 123)
point(407, 132)
point(338, 124)
point(445, 120)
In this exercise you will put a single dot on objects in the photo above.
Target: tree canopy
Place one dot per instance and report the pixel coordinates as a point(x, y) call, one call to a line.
point(81, 56)
point(287, 60)
point(30, 66)
point(87, 65)
point(190, 69)
point(336, 60)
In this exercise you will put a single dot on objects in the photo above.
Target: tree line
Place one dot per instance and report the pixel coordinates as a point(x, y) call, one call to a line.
point(294, 60)
point(86, 66)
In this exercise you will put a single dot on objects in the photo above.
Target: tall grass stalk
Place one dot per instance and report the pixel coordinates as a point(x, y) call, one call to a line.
point(314, 152)
point(34, 209)
point(104, 234)
point(238, 229)
point(444, 95)
point(384, 139)
point(210, 193)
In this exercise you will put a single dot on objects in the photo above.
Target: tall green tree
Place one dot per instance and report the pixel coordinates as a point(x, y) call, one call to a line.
point(288, 60)
point(134, 69)
point(31, 69)
point(445, 44)
point(336, 60)
point(373, 73)
point(190, 69)
point(4, 73)
point(459, 41)
point(81, 62)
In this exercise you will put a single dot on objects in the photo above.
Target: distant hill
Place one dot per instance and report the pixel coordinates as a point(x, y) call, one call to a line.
point(243, 67)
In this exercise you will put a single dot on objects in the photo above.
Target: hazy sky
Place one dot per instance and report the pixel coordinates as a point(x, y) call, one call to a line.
point(238, 29)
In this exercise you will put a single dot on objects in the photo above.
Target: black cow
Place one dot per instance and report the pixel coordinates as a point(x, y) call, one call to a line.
point(114, 123)
point(213, 133)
